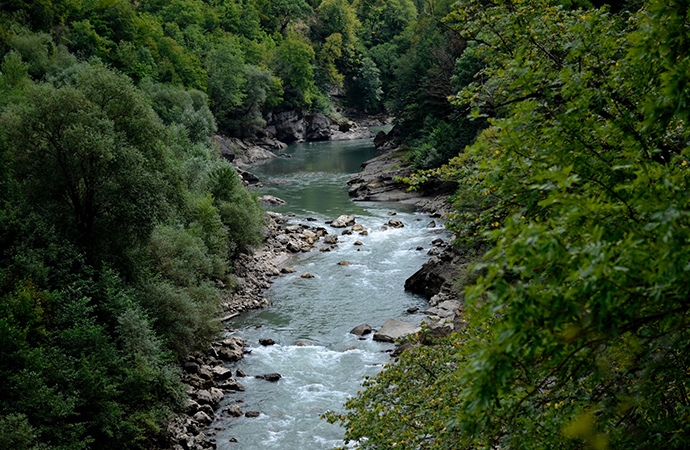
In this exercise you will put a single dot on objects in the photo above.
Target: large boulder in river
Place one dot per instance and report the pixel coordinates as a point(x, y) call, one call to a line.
point(290, 126)
point(343, 221)
point(394, 329)
point(318, 127)
point(230, 349)
point(437, 272)
point(361, 330)
point(270, 200)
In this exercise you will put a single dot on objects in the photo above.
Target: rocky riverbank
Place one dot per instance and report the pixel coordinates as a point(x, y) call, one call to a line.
point(206, 377)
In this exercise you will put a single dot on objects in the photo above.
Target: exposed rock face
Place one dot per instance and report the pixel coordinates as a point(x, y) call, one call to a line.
point(318, 127)
point(394, 329)
point(290, 126)
point(438, 272)
point(243, 154)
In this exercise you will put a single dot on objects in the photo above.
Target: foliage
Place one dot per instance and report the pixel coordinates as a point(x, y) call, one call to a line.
point(577, 331)
point(367, 85)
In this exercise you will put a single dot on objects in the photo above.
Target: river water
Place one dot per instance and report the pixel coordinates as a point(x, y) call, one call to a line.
point(320, 362)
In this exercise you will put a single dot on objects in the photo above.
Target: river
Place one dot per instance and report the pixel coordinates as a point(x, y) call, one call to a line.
point(309, 319)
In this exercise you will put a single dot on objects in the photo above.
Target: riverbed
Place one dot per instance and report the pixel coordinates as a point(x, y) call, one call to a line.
point(321, 364)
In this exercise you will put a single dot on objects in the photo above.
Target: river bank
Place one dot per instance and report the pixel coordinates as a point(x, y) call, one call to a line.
point(208, 380)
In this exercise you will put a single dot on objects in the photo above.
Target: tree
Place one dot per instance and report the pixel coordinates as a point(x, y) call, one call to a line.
point(577, 327)
point(90, 159)
point(293, 63)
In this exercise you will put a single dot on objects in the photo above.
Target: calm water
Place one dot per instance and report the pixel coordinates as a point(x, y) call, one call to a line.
point(327, 366)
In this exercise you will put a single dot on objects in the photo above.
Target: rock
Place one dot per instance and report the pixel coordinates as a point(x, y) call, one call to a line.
point(287, 270)
point(325, 249)
point(343, 221)
point(435, 331)
point(269, 200)
point(438, 242)
point(240, 373)
point(344, 263)
point(364, 233)
point(384, 228)
point(380, 139)
point(290, 126)
point(330, 239)
point(318, 127)
point(394, 329)
point(203, 397)
point(361, 330)
point(191, 367)
point(306, 275)
point(395, 223)
point(202, 418)
point(231, 384)
point(358, 227)
point(216, 396)
point(232, 349)
point(431, 224)
point(191, 407)
point(272, 377)
point(267, 342)
point(346, 232)
point(391, 213)
point(303, 343)
point(419, 249)
point(252, 414)
point(444, 309)
point(358, 243)
point(412, 309)
point(433, 275)
point(294, 247)
point(434, 251)
point(233, 410)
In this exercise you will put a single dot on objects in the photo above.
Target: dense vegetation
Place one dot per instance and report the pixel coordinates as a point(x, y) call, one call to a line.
point(577, 318)
point(118, 221)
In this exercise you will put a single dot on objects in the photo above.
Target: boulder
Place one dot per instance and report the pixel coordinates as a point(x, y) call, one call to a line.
point(267, 342)
point(306, 275)
point(252, 414)
point(231, 349)
point(231, 384)
point(202, 418)
point(344, 263)
point(358, 227)
point(358, 243)
point(395, 223)
point(287, 270)
point(433, 275)
point(346, 232)
point(233, 410)
point(272, 377)
point(361, 330)
point(343, 221)
point(290, 126)
point(431, 224)
point(318, 127)
point(330, 239)
point(394, 329)
point(240, 373)
point(434, 251)
point(269, 200)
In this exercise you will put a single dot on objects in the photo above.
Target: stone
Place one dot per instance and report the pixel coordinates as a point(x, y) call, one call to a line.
point(252, 414)
point(287, 270)
point(233, 410)
point(216, 396)
point(438, 242)
point(294, 247)
point(325, 249)
point(231, 349)
point(343, 221)
point(240, 373)
point(358, 243)
point(419, 249)
point(431, 224)
point(395, 223)
point(270, 200)
point(231, 384)
point(272, 377)
point(434, 251)
point(358, 227)
point(203, 397)
point(306, 275)
point(364, 233)
point(412, 309)
point(392, 213)
point(346, 232)
point(318, 127)
point(344, 263)
point(203, 418)
point(191, 367)
point(361, 330)
point(394, 329)
point(330, 239)
point(266, 342)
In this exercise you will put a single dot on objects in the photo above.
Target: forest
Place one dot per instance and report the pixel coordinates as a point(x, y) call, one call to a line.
point(560, 123)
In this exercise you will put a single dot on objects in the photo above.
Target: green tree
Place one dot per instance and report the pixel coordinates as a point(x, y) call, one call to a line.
point(293, 65)
point(577, 326)
point(89, 157)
